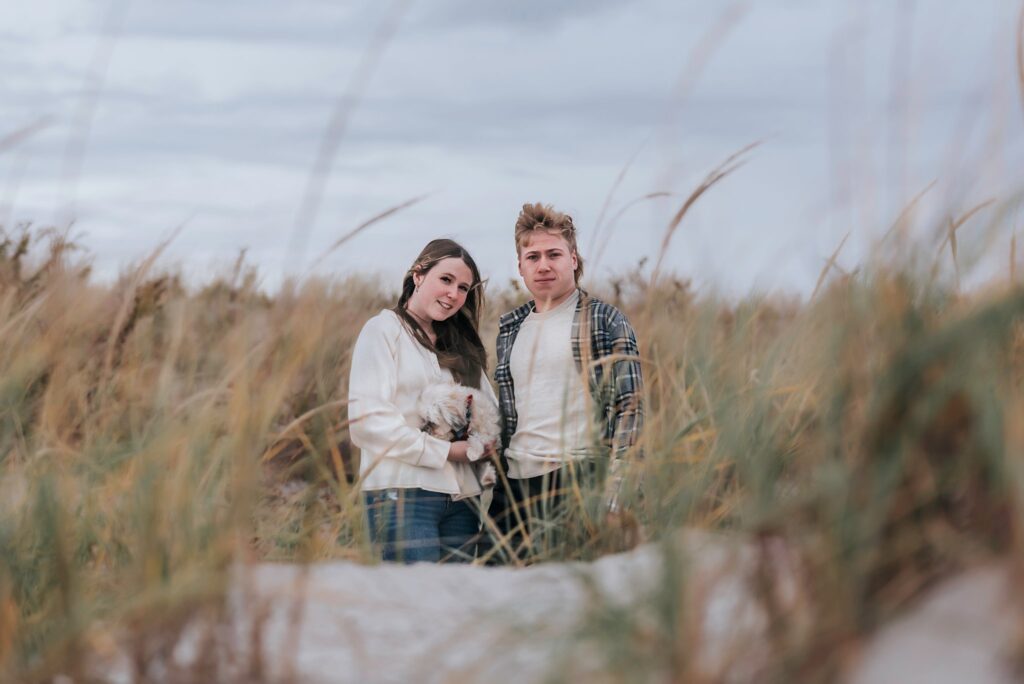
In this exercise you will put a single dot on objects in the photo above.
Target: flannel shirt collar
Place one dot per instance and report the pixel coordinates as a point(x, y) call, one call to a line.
point(515, 317)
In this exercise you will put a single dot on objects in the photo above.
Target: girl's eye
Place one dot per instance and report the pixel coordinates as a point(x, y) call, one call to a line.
point(446, 279)
point(463, 288)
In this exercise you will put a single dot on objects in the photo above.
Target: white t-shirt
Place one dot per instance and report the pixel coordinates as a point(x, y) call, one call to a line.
point(390, 370)
point(552, 404)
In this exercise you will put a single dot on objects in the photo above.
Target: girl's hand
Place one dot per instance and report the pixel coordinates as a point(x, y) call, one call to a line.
point(457, 452)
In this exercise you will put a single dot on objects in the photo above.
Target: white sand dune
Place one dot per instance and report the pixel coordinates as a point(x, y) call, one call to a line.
point(963, 631)
point(344, 622)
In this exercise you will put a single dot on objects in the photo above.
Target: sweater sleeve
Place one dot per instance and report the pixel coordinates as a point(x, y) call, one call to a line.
point(375, 423)
point(487, 391)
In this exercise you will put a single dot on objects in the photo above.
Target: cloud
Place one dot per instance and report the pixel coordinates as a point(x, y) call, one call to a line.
point(248, 21)
point(214, 112)
point(539, 16)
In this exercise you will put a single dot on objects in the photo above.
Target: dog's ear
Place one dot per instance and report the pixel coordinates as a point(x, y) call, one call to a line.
point(453, 408)
point(429, 414)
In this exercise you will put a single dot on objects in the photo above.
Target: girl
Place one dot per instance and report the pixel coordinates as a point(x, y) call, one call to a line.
point(415, 485)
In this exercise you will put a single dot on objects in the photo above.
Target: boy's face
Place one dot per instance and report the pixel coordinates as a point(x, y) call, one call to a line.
point(547, 264)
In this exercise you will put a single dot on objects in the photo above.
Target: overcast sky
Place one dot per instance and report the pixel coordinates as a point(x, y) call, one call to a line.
point(211, 115)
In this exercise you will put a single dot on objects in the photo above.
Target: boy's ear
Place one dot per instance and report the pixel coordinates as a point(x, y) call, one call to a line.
point(575, 261)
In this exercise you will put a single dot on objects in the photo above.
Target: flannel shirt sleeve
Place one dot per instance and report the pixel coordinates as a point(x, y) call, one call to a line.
point(503, 381)
point(628, 387)
point(627, 407)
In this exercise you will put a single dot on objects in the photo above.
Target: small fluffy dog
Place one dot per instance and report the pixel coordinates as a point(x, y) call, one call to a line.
point(456, 412)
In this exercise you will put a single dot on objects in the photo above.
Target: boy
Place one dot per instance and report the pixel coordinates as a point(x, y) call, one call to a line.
point(569, 380)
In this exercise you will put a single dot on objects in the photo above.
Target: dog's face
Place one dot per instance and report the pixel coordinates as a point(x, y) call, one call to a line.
point(443, 410)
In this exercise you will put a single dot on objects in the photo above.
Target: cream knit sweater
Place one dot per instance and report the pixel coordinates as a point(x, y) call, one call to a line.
point(389, 371)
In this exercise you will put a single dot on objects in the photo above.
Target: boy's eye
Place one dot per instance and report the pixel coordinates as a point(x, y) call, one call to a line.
point(445, 279)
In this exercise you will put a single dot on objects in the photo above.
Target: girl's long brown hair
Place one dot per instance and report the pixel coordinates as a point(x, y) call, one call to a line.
point(458, 345)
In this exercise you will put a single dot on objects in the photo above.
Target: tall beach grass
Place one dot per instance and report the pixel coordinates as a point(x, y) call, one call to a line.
point(152, 434)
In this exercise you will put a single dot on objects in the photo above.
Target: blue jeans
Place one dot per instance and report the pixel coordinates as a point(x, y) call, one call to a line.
point(414, 525)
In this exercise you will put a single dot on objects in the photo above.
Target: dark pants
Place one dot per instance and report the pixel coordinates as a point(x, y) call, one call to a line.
point(529, 517)
point(415, 525)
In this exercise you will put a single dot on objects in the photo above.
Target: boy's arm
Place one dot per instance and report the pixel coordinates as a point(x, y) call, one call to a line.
point(628, 411)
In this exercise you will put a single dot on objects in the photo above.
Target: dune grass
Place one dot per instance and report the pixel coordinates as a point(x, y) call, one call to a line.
point(152, 435)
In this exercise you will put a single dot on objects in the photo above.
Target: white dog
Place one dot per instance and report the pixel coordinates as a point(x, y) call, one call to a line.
point(458, 412)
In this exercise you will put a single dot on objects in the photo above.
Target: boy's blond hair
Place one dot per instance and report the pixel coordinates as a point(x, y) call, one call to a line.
point(544, 217)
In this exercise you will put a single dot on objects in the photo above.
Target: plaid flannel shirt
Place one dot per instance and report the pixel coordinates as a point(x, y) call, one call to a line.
point(612, 360)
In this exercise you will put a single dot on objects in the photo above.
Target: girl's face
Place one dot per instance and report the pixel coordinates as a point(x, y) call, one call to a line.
point(442, 290)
